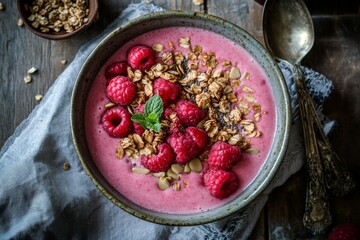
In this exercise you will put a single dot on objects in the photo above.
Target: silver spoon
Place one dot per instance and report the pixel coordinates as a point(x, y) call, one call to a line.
point(289, 35)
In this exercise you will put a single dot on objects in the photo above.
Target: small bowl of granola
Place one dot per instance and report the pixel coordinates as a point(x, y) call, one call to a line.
point(174, 129)
point(57, 20)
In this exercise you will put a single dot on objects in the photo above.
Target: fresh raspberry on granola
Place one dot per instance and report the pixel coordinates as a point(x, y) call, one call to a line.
point(160, 162)
point(189, 113)
point(116, 122)
point(220, 183)
point(223, 155)
point(168, 91)
point(121, 90)
point(141, 57)
point(198, 135)
point(184, 147)
point(115, 69)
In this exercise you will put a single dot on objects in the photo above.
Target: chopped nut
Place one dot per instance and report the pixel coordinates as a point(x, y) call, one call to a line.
point(38, 97)
point(63, 62)
point(27, 79)
point(177, 187)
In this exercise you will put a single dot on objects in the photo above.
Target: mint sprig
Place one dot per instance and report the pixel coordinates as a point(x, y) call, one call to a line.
point(152, 113)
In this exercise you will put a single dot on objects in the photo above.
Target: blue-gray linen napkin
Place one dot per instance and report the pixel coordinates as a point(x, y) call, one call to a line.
point(39, 200)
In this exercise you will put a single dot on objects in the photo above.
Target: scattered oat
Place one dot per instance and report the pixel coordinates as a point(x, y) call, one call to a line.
point(198, 2)
point(2, 7)
point(66, 166)
point(63, 62)
point(38, 97)
point(20, 22)
point(32, 70)
point(27, 79)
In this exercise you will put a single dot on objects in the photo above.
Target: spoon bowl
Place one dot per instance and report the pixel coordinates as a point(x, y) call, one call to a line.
point(288, 29)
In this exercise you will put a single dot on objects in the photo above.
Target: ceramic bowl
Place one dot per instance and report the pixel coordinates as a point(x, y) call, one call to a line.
point(24, 9)
point(153, 21)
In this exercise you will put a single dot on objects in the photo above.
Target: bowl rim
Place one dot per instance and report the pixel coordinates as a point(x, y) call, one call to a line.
point(93, 4)
point(222, 211)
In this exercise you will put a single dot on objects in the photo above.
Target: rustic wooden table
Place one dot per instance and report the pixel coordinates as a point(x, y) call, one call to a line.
point(336, 54)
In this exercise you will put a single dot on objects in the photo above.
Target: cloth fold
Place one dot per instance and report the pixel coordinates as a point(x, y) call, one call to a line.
point(38, 199)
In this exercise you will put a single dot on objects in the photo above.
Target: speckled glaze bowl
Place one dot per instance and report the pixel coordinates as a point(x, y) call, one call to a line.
point(153, 21)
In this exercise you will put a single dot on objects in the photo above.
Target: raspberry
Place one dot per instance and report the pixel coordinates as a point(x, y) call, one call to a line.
point(184, 147)
point(160, 162)
point(117, 122)
point(223, 155)
point(348, 231)
point(168, 91)
point(121, 90)
point(189, 113)
point(220, 183)
point(140, 57)
point(115, 69)
point(198, 136)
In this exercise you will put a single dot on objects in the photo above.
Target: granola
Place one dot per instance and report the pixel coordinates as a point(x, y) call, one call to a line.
point(210, 84)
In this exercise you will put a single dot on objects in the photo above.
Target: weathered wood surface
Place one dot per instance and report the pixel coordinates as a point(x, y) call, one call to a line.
point(336, 54)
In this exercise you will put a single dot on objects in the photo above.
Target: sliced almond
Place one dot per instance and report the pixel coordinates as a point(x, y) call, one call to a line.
point(159, 174)
point(140, 170)
point(164, 183)
point(110, 105)
point(252, 151)
point(187, 168)
point(177, 168)
point(172, 174)
point(195, 165)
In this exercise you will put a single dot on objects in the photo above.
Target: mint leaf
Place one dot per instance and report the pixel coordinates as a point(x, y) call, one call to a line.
point(154, 105)
point(152, 118)
point(156, 127)
point(139, 118)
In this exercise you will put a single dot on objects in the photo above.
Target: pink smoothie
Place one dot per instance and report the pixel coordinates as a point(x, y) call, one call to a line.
point(143, 189)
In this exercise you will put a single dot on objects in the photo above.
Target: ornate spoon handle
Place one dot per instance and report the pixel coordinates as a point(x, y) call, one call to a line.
point(337, 178)
point(317, 216)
